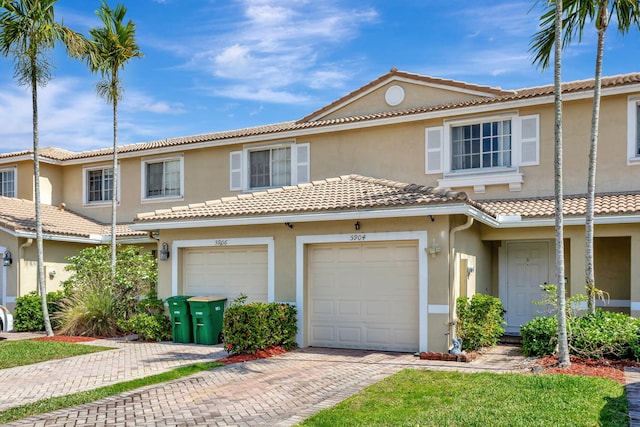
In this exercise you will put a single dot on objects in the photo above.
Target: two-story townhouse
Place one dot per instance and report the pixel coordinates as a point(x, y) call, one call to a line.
point(375, 212)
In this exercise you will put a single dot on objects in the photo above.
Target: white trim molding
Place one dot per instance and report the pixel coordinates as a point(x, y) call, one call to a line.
point(224, 242)
point(419, 236)
point(633, 137)
point(143, 178)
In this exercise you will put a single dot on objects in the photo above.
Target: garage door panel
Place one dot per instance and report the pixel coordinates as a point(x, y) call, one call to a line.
point(226, 271)
point(366, 294)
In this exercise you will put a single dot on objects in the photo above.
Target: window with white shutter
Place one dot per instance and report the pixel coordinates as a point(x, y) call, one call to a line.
point(262, 166)
point(433, 150)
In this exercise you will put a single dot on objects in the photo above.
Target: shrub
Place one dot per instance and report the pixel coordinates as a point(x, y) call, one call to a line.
point(92, 312)
point(27, 316)
point(257, 326)
point(480, 322)
point(148, 327)
point(604, 334)
point(136, 274)
point(539, 336)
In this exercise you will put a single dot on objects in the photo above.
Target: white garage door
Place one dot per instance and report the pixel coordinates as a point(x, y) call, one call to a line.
point(227, 272)
point(364, 295)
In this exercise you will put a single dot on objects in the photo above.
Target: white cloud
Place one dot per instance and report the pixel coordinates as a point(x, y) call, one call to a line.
point(273, 50)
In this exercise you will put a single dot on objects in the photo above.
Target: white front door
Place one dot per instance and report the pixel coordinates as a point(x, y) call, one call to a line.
point(527, 268)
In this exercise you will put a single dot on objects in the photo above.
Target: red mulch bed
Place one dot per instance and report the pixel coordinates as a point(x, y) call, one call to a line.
point(612, 369)
point(66, 338)
point(260, 354)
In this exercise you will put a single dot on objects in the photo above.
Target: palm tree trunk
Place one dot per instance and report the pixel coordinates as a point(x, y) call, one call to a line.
point(563, 345)
point(593, 155)
point(36, 175)
point(114, 192)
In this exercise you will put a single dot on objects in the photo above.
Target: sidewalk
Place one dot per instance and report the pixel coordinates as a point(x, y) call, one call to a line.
point(129, 360)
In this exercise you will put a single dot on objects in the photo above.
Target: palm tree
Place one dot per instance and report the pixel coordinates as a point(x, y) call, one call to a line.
point(577, 13)
point(28, 31)
point(548, 40)
point(111, 47)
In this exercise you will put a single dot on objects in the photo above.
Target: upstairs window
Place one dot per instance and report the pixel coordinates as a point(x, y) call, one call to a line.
point(8, 182)
point(265, 166)
point(162, 178)
point(481, 145)
point(270, 167)
point(99, 185)
point(480, 152)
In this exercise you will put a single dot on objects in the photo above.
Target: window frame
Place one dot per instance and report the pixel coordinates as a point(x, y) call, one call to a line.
point(270, 149)
point(85, 185)
point(633, 130)
point(14, 170)
point(525, 151)
point(143, 179)
point(240, 167)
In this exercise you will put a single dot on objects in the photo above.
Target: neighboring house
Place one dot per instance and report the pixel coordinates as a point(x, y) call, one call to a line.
point(374, 213)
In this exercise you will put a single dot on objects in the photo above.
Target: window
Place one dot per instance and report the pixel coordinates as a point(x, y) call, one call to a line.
point(99, 185)
point(162, 178)
point(633, 129)
point(269, 166)
point(8, 182)
point(481, 145)
point(475, 153)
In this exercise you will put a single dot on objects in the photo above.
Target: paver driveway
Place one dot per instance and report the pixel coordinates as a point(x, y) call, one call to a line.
point(282, 390)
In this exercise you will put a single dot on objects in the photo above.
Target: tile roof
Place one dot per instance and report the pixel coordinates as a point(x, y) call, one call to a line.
point(336, 194)
point(19, 215)
point(497, 96)
point(605, 204)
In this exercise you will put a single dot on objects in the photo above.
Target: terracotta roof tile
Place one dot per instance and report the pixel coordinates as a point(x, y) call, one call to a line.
point(336, 194)
point(605, 204)
point(496, 96)
point(19, 215)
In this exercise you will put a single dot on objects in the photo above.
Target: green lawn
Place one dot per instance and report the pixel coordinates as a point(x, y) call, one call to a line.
point(26, 352)
point(447, 399)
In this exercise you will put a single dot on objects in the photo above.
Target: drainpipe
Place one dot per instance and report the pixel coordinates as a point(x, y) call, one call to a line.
point(452, 286)
point(26, 244)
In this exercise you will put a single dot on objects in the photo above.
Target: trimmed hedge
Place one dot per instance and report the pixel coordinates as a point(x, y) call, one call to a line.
point(604, 334)
point(480, 322)
point(258, 326)
point(27, 316)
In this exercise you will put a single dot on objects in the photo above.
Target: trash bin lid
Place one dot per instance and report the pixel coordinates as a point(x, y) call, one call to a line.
point(207, 299)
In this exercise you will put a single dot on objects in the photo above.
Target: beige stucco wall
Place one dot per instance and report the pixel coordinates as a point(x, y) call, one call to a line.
point(416, 95)
point(285, 255)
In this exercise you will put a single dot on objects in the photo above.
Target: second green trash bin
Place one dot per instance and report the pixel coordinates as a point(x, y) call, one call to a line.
point(181, 327)
point(207, 314)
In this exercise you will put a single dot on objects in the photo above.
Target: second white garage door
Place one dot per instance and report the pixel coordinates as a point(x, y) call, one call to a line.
point(226, 271)
point(364, 295)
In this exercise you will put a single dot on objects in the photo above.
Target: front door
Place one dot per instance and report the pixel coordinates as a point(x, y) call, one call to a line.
point(527, 268)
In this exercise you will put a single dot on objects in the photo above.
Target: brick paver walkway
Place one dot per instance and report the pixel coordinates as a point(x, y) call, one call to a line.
point(279, 391)
point(129, 360)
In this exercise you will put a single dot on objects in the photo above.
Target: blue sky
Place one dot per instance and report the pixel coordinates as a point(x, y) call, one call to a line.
point(218, 65)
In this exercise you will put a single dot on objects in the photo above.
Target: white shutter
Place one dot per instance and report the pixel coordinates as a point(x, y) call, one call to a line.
point(302, 163)
point(530, 140)
point(433, 149)
point(235, 167)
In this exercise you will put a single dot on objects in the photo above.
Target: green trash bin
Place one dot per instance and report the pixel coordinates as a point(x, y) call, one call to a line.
point(181, 326)
point(207, 314)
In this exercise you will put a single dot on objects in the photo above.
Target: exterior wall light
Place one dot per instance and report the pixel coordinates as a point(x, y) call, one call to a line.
point(164, 252)
point(6, 259)
point(357, 225)
point(434, 249)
